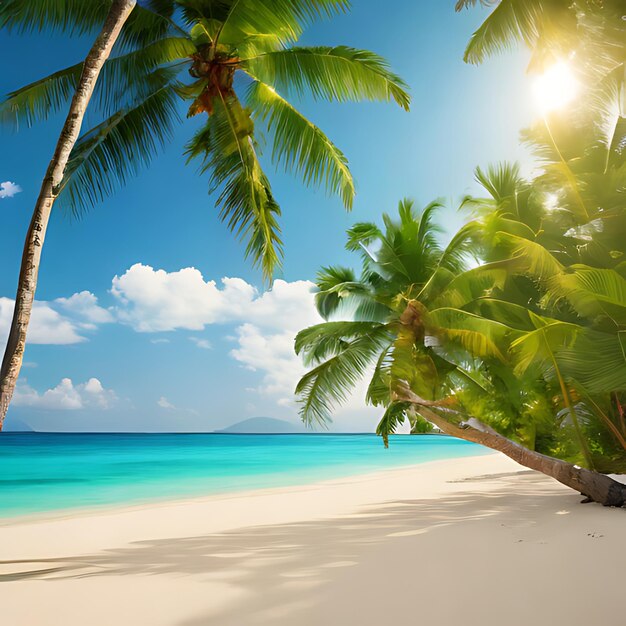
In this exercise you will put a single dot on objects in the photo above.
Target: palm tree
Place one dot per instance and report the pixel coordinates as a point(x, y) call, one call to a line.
point(414, 334)
point(588, 33)
point(86, 78)
point(565, 230)
point(235, 62)
point(565, 293)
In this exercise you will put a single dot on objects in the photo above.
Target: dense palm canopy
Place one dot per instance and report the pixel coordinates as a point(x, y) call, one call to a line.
point(532, 340)
point(408, 321)
point(563, 232)
point(589, 33)
point(237, 64)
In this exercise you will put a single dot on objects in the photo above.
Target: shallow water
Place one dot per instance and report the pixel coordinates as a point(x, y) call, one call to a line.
point(49, 471)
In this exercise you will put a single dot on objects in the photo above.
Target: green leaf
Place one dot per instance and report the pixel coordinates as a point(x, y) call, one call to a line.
point(322, 341)
point(38, 100)
point(596, 361)
point(107, 155)
point(479, 336)
point(226, 148)
point(512, 21)
point(339, 291)
point(411, 363)
point(592, 292)
point(121, 79)
point(337, 74)
point(285, 18)
point(327, 385)
point(538, 348)
point(301, 146)
point(80, 17)
point(393, 417)
point(528, 257)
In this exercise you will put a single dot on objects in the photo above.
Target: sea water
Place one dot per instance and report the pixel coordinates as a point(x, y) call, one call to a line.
point(51, 471)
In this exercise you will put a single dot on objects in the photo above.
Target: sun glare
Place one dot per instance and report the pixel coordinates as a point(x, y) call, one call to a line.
point(555, 87)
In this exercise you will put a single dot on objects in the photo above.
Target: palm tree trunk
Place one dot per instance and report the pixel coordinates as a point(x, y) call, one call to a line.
point(31, 257)
point(593, 485)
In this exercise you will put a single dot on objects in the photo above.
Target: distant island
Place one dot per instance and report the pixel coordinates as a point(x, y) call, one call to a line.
point(263, 425)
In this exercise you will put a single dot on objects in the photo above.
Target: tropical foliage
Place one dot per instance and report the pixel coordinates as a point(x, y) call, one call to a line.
point(589, 33)
point(237, 64)
point(530, 338)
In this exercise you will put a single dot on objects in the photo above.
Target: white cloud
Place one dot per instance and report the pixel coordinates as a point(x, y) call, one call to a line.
point(160, 340)
point(164, 403)
point(80, 312)
point(155, 300)
point(9, 189)
point(266, 323)
point(271, 354)
point(205, 344)
point(47, 326)
point(84, 305)
point(66, 396)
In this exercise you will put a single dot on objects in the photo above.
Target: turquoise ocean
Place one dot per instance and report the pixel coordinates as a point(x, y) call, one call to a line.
point(42, 472)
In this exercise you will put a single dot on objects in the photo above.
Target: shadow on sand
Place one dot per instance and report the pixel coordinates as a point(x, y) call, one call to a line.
point(369, 553)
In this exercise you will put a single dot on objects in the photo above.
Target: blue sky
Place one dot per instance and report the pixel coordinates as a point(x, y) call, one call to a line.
point(130, 332)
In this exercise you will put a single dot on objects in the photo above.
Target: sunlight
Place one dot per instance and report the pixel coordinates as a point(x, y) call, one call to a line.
point(551, 201)
point(556, 87)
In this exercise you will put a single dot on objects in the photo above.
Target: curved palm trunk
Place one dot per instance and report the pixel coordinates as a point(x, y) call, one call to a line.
point(27, 283)
point(593, 485)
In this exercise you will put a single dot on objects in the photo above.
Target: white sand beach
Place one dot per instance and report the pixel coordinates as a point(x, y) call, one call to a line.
point(473, 541)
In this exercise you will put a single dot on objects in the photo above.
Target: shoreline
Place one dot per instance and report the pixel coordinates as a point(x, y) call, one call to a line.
point(359, 549)
point(76, 511)
point(207, 498)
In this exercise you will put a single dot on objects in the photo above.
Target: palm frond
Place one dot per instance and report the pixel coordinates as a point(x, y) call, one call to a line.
point(118, 82)
point(226, 149)
point(595, 360)
point(39, 99)
point(107, 155)
point(463, 245)
point(592, 292)
point(361, 235)
point(529, 257)
point(394, 416)
point(285, 18)
point(79, 17)
point(74, 17)
point(511, 22)
point(411, 364)
point(502, 181)
point(379, 389)
point(322, 341)
point(336, 74)
point(538, 348)
point(513, 315)
point(324, 387)
point(447, 288)
point(300, 145)
point(478, 336)
point(339, 291)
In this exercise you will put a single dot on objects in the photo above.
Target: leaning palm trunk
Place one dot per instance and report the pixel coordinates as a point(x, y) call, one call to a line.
point(27, 283)
point(593, 485)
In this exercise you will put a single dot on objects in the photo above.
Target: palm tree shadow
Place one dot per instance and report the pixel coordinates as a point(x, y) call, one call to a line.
point(302, 558)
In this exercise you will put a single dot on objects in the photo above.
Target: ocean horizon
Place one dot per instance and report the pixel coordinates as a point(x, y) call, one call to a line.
point(45, 472)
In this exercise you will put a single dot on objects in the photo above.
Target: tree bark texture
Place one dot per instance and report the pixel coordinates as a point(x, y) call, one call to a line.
point(593, 485)
point(35, 237)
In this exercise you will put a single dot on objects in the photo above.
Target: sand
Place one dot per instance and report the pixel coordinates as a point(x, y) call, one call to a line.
point(474, 541)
